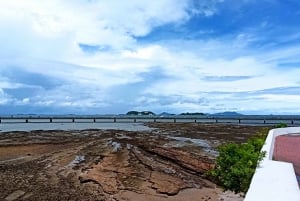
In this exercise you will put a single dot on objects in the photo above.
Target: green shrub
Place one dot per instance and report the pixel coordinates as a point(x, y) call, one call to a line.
point(281, 125)
point(236, 163)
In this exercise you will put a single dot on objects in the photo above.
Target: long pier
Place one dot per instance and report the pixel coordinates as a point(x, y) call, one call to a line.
point(267, 120)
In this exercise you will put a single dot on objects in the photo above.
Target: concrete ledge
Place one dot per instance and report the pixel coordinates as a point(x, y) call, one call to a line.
point(274, 180)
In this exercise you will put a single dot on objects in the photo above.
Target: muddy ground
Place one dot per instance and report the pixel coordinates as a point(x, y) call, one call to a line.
point(163, 164)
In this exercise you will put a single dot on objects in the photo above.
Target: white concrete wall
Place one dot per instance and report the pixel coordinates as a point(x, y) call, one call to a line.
point(274, 180)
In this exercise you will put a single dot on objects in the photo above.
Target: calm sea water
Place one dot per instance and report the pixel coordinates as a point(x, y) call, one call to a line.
point(5, 127)
point(130, 123)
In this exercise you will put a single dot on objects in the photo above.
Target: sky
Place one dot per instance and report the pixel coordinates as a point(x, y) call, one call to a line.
point(110, 57)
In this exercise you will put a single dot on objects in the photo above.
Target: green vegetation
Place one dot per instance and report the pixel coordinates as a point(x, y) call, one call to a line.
point(281, 125)
point(140, 113)
point(192, 113)
point(147, 113)
point(236, 163)
point(132, 113)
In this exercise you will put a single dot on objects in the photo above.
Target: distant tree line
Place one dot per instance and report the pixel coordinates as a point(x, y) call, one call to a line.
point(140, 113)
point(192, 113)
point(133, 112)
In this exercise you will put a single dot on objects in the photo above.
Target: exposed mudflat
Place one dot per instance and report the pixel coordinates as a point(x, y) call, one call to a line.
point(166, 163)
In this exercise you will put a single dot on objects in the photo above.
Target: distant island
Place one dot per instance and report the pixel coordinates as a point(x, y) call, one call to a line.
point(228, 113)
point(133, 113)
point(166, 114)
point(192, 113)
point(149, 113)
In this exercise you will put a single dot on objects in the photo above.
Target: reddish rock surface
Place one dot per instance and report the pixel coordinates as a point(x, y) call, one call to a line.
point(189, 160)
point(166, 184)
point(113, 164)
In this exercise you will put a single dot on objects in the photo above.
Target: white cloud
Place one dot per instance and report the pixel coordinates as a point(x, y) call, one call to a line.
point(42, 37)
point(282, 98)
point(4, 98)
point(112, 23)
point(52, 31)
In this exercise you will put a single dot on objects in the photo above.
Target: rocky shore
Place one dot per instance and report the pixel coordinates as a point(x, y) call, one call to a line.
point(162, 164)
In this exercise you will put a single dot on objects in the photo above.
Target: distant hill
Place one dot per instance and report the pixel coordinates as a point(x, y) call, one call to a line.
point(228, 113)
point(192, 113)
point(140, 113)
point(166, 114)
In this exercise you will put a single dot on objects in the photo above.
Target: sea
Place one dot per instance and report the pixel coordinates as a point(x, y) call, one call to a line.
point(130, 123)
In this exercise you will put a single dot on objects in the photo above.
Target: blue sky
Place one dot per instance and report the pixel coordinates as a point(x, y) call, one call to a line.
point(99, 57)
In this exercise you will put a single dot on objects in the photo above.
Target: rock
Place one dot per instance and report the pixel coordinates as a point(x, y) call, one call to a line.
point(116, 146)
point(106, 173)
point(188, 160)
point(15, 195)
point(166, 184)
point(77, 160)
point(129, 146)
point(106, 179)
point(27, 195)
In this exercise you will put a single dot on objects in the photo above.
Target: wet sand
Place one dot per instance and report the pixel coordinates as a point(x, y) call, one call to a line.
point(161, 164)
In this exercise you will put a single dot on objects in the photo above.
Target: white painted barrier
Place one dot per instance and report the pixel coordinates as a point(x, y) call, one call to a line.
point(274, 180)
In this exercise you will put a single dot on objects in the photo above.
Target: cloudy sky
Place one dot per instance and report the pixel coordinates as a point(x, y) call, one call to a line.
point(111, 56)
